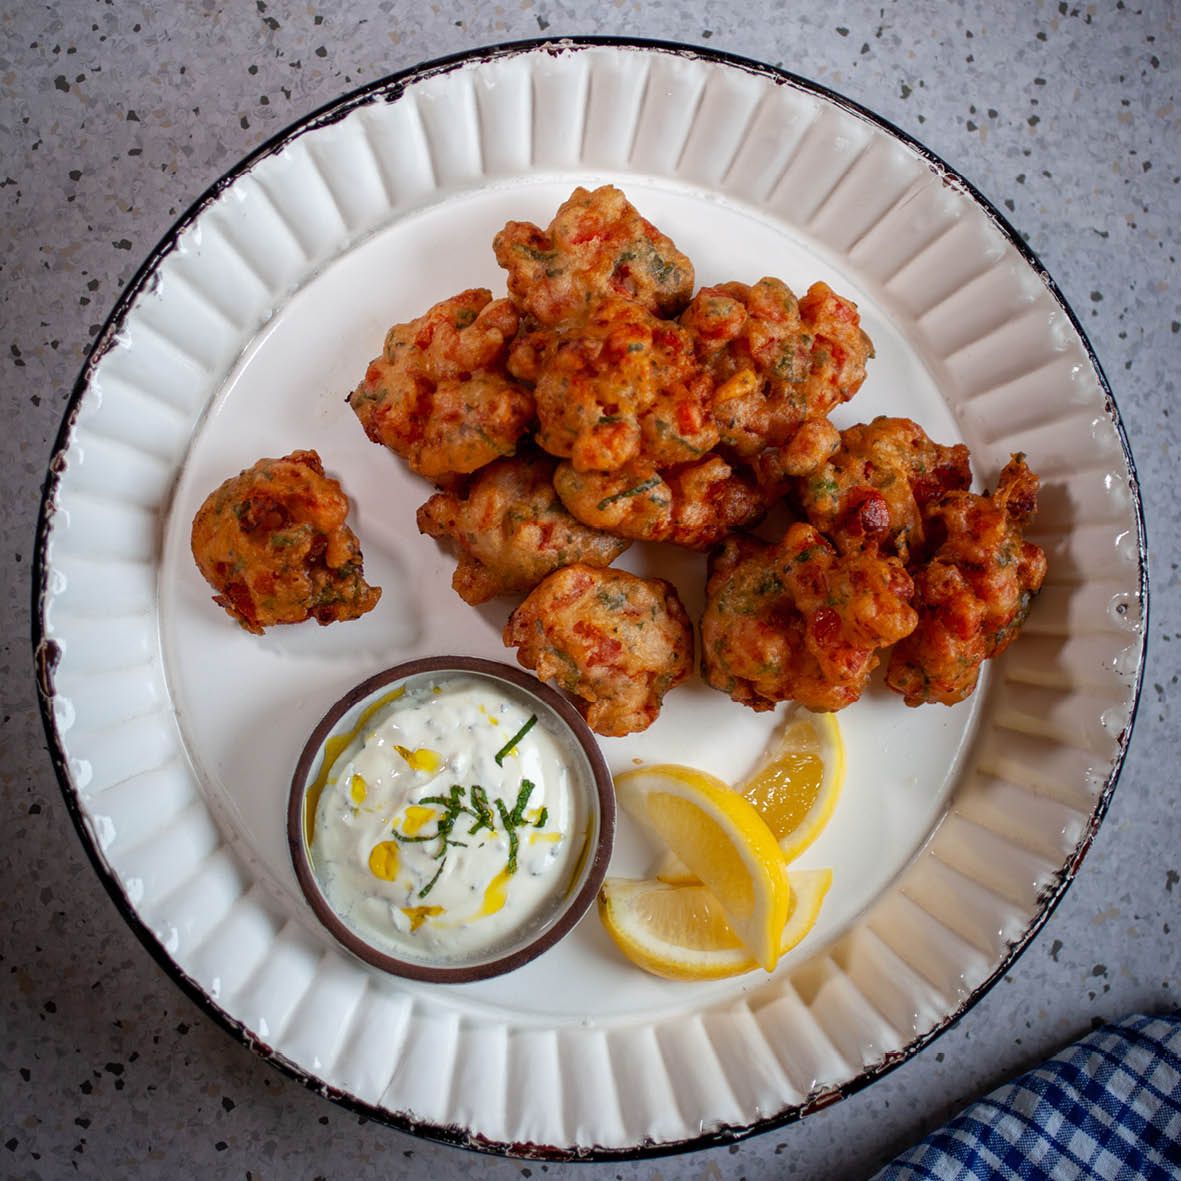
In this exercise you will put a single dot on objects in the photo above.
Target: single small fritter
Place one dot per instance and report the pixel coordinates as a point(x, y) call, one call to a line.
point(511, 530)
point(840, 348)
point(439, 395)
point(777, 362)
point(615, 642)
point(272, 541)
point(797, 621)
point(694, 504)
point(878, 485)
point(618, 386)
point(974, 593)
point(596, 245)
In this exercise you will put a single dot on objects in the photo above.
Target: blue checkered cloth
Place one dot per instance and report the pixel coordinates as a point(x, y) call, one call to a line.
point(1107, 1107)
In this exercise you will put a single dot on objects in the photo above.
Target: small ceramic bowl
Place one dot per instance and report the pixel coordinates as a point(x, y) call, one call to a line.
point(549, 916)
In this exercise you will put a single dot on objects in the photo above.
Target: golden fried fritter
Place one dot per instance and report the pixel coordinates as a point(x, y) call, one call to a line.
point(614, 641)
point(694, 504)
point(753, 343)
point(975, 592)
point(620, 387)
point(777, 363)
point(797, 621)
point(272, 541)
point(840, 348)
point(597, 245)
point(877, 486)
point(777, 468)
point(511, 530)
point(439, 395)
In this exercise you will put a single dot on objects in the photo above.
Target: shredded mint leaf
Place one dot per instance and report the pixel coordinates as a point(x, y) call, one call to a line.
point(508, 746)
point(634, 490)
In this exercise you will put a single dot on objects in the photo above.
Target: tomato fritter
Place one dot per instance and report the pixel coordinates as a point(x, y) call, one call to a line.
point(511, 530)
point(616, 642)
point(272, 541)
point(797, 621)
point(694, 505)
point(439, 395)
point(840, 348)
point(777, 468)
point(878, 485)
point(619, 386)
point(974, 593)
point(777, 362)
point(596, 245)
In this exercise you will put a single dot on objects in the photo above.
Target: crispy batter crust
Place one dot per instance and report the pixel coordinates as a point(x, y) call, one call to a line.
point(597, 245)
point(439, 395)
point(511, 530)
point(779, 366)
point(798, 621)
point(694, 505)
point(976, 590)
point(272, 541)
point(877, 487)
point(614, 641)
point(617, 387)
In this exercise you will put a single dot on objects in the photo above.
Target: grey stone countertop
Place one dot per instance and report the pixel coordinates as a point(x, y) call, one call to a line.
point(116, 115)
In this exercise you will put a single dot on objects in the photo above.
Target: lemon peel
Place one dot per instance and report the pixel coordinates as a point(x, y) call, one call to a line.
point(724, 843)
point(795, 788)
point(681, 932)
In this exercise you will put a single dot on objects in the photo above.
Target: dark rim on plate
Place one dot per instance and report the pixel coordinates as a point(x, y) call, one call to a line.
point(603, 832)
point(46, 653)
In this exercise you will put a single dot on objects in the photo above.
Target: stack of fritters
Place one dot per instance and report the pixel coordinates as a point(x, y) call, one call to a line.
point(895, 551)
point(604, 402)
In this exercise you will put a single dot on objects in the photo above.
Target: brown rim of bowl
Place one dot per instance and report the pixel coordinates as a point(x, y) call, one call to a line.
point(575, 909)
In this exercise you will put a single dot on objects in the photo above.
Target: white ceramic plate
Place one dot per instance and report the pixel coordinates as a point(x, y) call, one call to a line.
point(175, 732)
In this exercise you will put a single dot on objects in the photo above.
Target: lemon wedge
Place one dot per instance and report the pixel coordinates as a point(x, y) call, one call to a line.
point(724, 843)
point(795, 788)
point(681, 932)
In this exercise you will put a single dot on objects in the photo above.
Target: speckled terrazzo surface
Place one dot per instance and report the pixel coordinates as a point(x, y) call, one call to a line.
point(113, 117)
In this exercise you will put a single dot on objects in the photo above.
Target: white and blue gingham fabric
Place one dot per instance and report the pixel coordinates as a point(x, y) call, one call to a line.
point(1107, 1107)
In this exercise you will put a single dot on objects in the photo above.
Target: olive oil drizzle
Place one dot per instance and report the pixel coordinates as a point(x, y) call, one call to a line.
point(453, 806)
point(333, 748)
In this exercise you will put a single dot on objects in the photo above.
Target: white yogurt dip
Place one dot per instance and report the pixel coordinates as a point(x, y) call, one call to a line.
point(445, 825)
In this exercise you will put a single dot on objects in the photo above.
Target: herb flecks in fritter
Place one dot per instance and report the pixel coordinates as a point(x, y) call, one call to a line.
point(877, 487)
point(798, 621)
point(974, 592)
point(779, 366)
point(616, 642)
point(439, 395)
point(693, 505)
point(617, 386)
point(272, 541)
point(511, 529)
point(597, 245)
